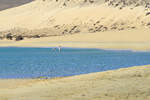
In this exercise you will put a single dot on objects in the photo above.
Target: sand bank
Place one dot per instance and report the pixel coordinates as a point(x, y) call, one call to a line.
point(123, 84)
point(128, 39)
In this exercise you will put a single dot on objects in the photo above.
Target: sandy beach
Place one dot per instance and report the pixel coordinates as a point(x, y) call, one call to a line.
point(123, 84)
point(104, 40)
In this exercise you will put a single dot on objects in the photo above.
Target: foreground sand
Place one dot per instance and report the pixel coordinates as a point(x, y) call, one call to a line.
point(123, 84)
point(128, 39)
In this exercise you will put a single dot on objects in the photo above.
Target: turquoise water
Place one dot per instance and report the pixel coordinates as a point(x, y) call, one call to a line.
point(36, 62)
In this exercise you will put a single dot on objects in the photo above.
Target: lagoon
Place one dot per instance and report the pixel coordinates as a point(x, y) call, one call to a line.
point(19, 62)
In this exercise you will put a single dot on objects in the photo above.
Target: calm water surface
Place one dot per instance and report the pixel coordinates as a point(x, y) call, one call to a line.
point(36, 62)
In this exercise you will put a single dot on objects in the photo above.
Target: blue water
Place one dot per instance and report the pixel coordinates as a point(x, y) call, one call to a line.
point(36, 62)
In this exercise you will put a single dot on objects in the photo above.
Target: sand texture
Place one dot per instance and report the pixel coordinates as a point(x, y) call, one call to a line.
point(123, 84)
point(52, 17)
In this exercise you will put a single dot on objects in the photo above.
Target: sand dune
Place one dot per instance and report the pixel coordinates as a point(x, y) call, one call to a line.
point(52, 17)
point(123, 84)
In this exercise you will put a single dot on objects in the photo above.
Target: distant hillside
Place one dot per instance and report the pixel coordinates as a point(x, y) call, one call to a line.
point(59, 17)
point(5, 4)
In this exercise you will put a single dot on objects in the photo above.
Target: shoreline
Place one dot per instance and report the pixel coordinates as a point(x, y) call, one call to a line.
point(115, 49)
point(85, 86)
point(62, 77)
point(115, 40)
point(92, 73)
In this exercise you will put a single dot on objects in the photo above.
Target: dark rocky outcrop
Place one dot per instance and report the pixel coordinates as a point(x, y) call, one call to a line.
point(18, 38)
point(9, 36)
point(148, 13)
point(36, 36)
point(1, 37)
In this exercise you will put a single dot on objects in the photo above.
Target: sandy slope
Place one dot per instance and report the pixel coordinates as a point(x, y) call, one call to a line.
point(123, 84)
point(51, 17)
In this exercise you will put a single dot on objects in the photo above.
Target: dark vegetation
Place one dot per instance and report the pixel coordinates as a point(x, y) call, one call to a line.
point(10, 36)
